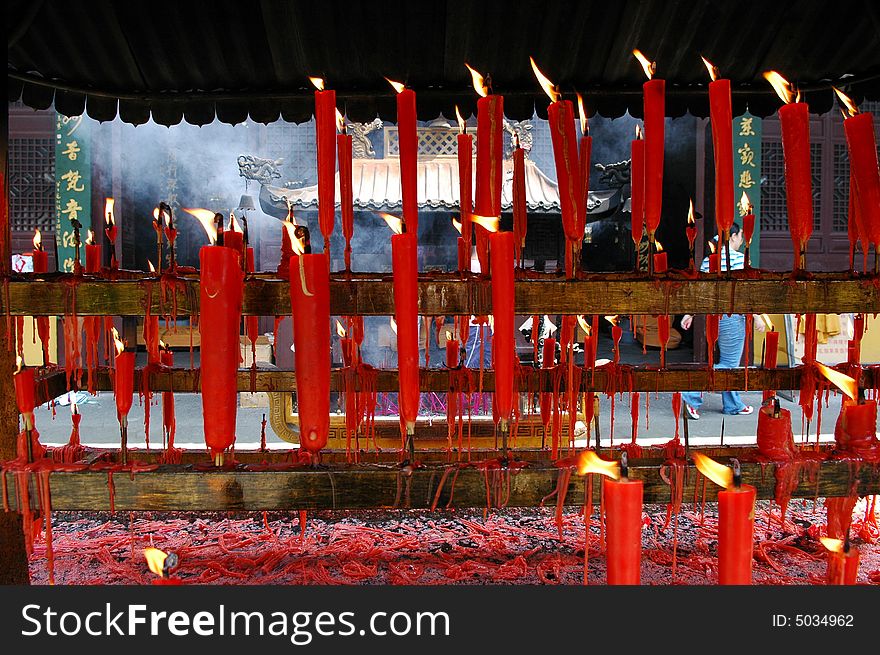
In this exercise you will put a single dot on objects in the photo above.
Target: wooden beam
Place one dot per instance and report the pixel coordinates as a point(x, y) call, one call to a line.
point(278, 487)
point(636, 378)
point(448, 294)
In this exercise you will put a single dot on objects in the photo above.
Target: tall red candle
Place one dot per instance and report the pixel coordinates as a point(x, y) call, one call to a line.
point(310, 305)
point(654, 91)
point(585, 151)
point(123, 382)
point(794, 119)
point(862, 145)
point(251, 323)
point(169, 422)
point(623, 529)
point(771, 352)
point(220, 292)
point(40, 260)
point(520, 210)
point(465, 183)
point(721, 116)
point(637, 192)
point(408, 140)
point(404, 256)
point(490, 122)
point(548, 360)
point(503, 351)
point(325, 135)
point(346, 192)
point(24, 390)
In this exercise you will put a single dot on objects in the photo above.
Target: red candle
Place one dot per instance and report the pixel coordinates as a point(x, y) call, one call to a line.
point(794, 118)
point(721, 116)
point(547, 361)
point(585, 149)
point(404, 256)
point(252, 323)
point(234, 240)
point(346, 192)
point(623, 529)
point(221, 289)
point(843, 566)
point(660, 262)
point(452, 351)
point(775, 438)
point(856, 428)
point(465, 184)
point(663, 334)
point(748, 228)
point(93, 256)
point(464, 259)
point(520, 215)
point(408, 140)
point(715, 262)
point(654, 110)
point(169, 423)
point(853, 221)
point(771, 352)
point(325, 135)
point(40, 260)
point(123, 382)
point(490, 121)
point(637, 193)
point(616, 334)
point(503, 351)
point(24, 390)
point(310, 304)
point(862, 144)
point(151, 338)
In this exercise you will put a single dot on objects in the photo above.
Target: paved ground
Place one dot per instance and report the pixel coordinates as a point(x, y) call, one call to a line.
point(99, 424)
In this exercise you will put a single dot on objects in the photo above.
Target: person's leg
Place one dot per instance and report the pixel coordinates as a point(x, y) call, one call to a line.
point(731, 340)
point(731, 403)
point(472, 348)
point(692, 398)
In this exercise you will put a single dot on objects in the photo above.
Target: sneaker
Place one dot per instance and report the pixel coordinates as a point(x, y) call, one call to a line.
point(745, 411)
point(692, 413)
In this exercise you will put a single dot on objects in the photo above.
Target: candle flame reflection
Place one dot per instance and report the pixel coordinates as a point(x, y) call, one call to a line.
point(318, 82)
point(840, 380)
point(716, 471)
point(549, 88)
point(490, 223)
point(851, 108)
point(650, 67)
point(206, 218)
point(590, 462)
point(478, 82)
point(781, 85)
point(117, 342)
point(394, 222)
point(713, 70)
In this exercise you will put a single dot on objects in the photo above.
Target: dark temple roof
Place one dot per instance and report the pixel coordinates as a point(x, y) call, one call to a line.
point(194, 60)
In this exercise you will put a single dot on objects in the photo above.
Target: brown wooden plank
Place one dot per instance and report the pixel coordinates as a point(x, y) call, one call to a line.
point(638, 378)
point(182, 488)
point(446, 294)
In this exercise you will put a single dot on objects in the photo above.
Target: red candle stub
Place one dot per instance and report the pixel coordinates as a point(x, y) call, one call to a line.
point(856, 428)
point(503, 349)
point(310, 305)
point(775, 438)
point(404, 255)
point(24, 390)
point(221, 290)
point(623, 529)
point(452, 352)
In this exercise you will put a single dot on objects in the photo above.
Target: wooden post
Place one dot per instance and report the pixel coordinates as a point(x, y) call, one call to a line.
point(13, 557)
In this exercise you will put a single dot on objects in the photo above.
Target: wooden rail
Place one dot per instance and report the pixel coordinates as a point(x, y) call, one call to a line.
point(450, 294)
point(338, 486)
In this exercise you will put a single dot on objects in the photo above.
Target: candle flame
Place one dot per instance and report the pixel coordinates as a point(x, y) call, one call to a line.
point(612, 320)
point(711, 245)
point(716, 471)
point(765, 318)
point(318, 82)
point(393, 324)
point(478, 82)
point(119, 343)
point(490, 223)
point(448, 335)
point(650, 67)
point(745, 204)
point(73, 409)
point(339, 329)
point(456, 224)
point(551, 90)
point(206, 218)
point(582, 321)
point(90, 237)
point(109, 204)
point(233, 222)
point(398, 86)
point(152, 268)
point(590, 462)
point(840, 380)
point(658, 245)
point(340, 122)
point(639, 134)
point(155, 213)
point(691, 217)
point(19, 363)
point(38, 239)
point(462, 124)
point(832, 545)
point(851, 108)
point(155, 560)
point(582, 113)
point(781, 85)
point(713, 71)
point(163, 345)
point(395, 223)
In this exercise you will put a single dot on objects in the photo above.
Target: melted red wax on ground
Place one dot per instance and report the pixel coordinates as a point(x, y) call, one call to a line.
point(511, 546)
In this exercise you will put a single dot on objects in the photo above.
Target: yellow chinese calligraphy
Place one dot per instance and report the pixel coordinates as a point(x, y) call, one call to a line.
point(73, 181)
point(746, 181)
point(68, 240)
point(72, 209)
point(746, 155)
point(745, 127)
point(71, 150)
point(67, 266)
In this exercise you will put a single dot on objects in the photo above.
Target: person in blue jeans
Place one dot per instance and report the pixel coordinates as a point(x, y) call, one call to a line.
point(731, 338)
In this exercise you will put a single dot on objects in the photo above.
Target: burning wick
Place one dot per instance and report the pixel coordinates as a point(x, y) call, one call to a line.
point(161, 563)
point(301, 234)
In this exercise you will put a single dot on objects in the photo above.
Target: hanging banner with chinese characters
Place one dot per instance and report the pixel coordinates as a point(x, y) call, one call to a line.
point(73, 187)
point(747, 173)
